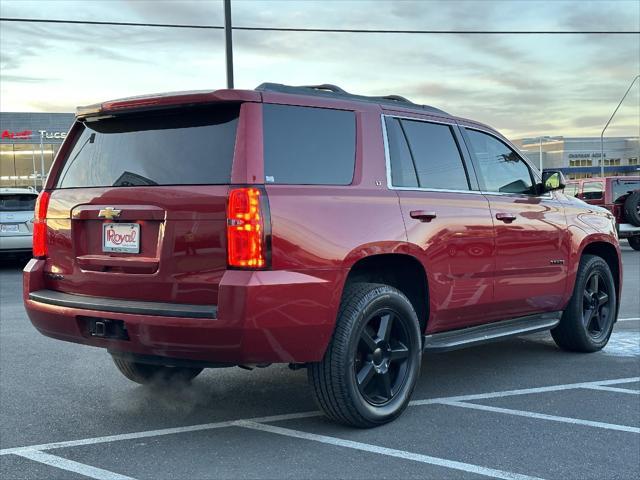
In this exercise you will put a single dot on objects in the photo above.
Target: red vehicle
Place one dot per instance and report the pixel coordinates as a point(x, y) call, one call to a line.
point(619, 195)
point(305, 225)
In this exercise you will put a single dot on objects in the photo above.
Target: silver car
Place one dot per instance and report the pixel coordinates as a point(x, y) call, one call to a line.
point(16, 219)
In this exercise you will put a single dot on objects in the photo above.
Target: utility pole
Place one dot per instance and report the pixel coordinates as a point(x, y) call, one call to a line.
point(228, 41)
point(605, 127)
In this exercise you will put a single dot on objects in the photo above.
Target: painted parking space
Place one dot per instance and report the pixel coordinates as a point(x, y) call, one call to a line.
point(517, 409)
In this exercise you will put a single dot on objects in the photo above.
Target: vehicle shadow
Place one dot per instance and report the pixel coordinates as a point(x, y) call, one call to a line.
point(228, 394)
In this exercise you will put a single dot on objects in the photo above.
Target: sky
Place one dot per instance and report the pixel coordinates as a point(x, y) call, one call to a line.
point(525, 86)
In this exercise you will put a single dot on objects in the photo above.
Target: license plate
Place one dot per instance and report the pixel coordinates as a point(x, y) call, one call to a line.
point(121, 237)
point(12, 228)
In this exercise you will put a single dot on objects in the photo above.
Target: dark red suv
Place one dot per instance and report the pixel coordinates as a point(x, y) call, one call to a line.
point(305, 225)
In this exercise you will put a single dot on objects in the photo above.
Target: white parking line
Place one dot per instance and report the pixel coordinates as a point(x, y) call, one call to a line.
point(628, 319)
point(151, 433)
point(390, 452)
point(293, 416)
point(542, 416)
point(613, 389)
point(71, 466)
point(523, 391)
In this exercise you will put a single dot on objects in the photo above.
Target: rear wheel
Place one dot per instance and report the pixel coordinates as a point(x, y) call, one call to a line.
point(634, 242)
point(632, 208)
point(144, 373)
point(587, 323)
point(372, 364)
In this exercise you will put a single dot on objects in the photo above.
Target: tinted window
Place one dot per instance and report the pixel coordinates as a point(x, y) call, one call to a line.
point(436, 156)
point(17, 202)
point(308, 146)
point(500, 167)
point(621, 187)
point(592, 190)
point(187, 147)
point(403, 172)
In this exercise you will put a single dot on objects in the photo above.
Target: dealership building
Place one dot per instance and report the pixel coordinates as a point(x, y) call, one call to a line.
point(28, 144)
point(30, 141)
point(579, 157)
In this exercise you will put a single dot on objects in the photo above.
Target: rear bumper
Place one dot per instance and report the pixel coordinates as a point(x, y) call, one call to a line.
point(260, 317)
point(626, 230)
point(15, 243)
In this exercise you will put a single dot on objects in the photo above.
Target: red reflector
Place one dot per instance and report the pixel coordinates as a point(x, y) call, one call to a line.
point(245, 229)
point(40, 225)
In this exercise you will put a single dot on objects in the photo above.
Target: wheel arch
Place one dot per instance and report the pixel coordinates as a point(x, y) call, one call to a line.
point(399, 270)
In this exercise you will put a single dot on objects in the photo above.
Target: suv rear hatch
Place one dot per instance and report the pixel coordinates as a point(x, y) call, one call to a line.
point(138, 206)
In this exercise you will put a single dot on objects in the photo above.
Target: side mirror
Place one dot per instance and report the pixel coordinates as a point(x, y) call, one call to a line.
point(552, 180)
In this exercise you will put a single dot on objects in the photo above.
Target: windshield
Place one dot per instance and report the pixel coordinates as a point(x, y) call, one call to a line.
point(184, 147)
point(21, 202)
point(621, 187)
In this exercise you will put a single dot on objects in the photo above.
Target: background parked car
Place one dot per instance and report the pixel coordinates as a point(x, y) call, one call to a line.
point(619, 195)
point(16, 220)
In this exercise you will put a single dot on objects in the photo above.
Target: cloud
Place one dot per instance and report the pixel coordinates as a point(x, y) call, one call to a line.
point(23, 79)
point(520, 84)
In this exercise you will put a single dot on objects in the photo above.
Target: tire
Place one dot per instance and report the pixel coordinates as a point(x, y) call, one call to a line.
point(632, 208)
point(587, 323)
point(144, 373)
point(634, 242)
point(386, 359)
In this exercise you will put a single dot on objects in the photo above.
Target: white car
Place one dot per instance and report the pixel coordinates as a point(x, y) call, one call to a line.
point(16, 219)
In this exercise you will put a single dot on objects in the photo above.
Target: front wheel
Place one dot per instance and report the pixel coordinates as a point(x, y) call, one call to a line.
point(144, 373)
point(634, 242)
point(371, 366)
point(587, 323)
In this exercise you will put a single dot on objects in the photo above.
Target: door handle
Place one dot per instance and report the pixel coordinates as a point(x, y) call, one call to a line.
point(505, 217)
point(422, 215)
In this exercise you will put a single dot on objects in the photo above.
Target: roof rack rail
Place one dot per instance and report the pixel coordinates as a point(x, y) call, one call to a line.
point(328, 90)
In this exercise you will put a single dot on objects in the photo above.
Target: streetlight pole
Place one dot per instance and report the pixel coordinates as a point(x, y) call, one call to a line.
point(228, 41)
point(42, 160)
point(605, 127)
point(540, 154)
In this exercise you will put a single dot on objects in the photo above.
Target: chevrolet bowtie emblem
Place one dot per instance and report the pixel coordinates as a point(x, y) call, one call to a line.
point(109, 213)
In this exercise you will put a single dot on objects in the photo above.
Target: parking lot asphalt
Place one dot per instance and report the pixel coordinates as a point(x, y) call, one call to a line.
point(517, 409)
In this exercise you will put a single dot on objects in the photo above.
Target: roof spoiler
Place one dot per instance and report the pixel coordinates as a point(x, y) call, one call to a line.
point(166, 100)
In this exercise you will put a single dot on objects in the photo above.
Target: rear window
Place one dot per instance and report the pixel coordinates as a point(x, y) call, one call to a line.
point(17, 202)
point(188, 147)
point(620, 188)
point(308, 146)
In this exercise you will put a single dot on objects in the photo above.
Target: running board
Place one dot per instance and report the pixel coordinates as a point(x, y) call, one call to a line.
point(490, 332)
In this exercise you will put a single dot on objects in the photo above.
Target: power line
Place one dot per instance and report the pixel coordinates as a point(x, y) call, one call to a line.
point(325, 30)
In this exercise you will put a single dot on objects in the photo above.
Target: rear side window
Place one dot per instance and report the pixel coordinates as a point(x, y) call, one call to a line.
point(403, 171)
point(501, 169)
point(620, 188)
point(17, 202)
point(425, 155)
point(189, 147)
point(436, 155)
point(308, 146)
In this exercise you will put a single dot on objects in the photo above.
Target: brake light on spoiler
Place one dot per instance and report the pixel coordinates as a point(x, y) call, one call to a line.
point(247, 225)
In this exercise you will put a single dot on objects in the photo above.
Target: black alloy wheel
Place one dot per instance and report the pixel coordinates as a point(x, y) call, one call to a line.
point(381, 357)
point(372, 363)
point(588, 319)
point(596, 308)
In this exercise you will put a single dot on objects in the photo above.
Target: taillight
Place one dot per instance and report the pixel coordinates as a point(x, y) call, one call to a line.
point(246, 235)
point(40, 225)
